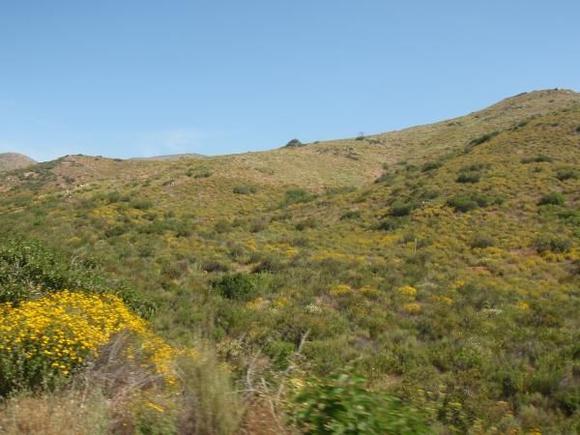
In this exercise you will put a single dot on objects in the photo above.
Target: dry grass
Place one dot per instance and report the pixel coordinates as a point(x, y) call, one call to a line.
point(209, 404)
point(68, 412)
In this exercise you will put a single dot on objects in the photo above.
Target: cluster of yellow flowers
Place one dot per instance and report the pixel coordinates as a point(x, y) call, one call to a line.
point(61, 330)
point(340, 290)
point(408, 291)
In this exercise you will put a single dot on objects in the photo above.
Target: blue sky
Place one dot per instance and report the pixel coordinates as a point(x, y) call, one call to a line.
point(128, 78)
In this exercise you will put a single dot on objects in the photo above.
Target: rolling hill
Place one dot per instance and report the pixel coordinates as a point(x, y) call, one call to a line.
point(11, 161)
point(441, 262)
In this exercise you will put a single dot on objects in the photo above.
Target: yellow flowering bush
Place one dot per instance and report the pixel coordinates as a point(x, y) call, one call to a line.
point(45, 339)
point(412, 308)
point(408, 291)
point(340, 290)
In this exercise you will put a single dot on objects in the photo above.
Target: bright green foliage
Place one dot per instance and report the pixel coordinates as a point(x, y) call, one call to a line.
point(344, 405)
point(237, 286)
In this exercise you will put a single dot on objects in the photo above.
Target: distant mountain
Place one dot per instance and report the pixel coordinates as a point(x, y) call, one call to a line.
point(10, 161)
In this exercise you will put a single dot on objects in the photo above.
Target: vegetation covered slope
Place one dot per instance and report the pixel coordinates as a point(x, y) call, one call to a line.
point(440, 262)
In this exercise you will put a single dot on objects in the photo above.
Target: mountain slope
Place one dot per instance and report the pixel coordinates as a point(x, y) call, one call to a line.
point(10, 161)
point(440, 261)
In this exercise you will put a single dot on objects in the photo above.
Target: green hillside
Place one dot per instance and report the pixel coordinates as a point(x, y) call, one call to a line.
point(440, 263)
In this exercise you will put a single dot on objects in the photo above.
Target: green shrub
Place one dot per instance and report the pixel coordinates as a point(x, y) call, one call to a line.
point(554, 198)
point(388, 224)
point(475, 167)
point(202, 173)
point(463, 203)
point(222, 226)
point(427, 194)
point(483, 138)
point(350, 215)
point(116, 231)
point(570, 216)
point(214, 266)
point(343, 405)
point(141, 204)
point(306, 223)
point(294, 143)
point(466, 202)
point(401, 208)
point(540, 158)
point(431, 166)
point(238, 286)
point(258, 225)
point(551, 243)
point(244, 190)
point(385, 177)
point(295, 196)
point(468, 177)
point(567, 174)
point(482, 241)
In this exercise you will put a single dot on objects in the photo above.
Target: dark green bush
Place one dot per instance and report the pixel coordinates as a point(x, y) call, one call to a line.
point(388, 224)
point(343, 405)
point(554, 198)
point(141, 204)
point(295, 196)
point(431, 166)
point(567, 174)
point(306, 223)
point(540, 158)
point(214, 266)
point(483, 138)
point(401, 208)
point(238, 286)
point(552, 243)
point(294, 143)
point(475, 167)
point(482, 241)
point(466, 202)
point(428, 194)
point(468, 177)
point(351, 214)
point(244, 190)
point(463, 203)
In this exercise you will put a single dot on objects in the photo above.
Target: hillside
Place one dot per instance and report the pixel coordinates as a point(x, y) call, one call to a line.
point(11, 161)
point(440, 262)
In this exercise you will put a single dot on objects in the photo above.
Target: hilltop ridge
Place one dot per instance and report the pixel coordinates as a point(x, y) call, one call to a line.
point(323, 164)
point(11, 161)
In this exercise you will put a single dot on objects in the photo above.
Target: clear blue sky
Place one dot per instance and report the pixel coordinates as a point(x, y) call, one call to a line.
point(132, 78)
